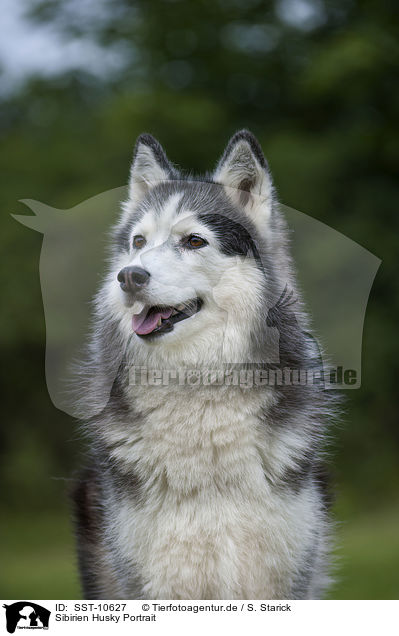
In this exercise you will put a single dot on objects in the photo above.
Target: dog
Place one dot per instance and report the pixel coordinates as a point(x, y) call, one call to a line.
point(204, 488)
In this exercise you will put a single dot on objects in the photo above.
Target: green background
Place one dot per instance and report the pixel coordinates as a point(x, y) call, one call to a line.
point(320, 92)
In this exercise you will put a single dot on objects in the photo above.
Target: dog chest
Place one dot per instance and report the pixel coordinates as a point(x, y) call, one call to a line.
point(207, 525)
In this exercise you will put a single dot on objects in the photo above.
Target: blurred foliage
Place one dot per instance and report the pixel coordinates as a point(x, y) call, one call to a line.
point(315, 80)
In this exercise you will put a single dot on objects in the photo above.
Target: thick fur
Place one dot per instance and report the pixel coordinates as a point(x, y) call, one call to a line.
point(202, 491)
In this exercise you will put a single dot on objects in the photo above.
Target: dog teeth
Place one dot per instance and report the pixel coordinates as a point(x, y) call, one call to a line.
point(174, 312)
point(180, 307)
point(138, 307)
point(159, 323)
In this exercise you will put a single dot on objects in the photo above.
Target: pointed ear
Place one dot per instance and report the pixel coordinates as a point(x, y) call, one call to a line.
point(244, 172)
point(150, 166)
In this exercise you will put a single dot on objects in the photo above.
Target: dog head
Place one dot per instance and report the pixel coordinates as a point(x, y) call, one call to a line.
point(187, 267)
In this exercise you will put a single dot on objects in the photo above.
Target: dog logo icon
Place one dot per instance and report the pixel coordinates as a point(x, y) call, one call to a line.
point(26, 615)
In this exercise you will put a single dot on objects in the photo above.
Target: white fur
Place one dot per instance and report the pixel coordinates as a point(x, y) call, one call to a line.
point(210, 526)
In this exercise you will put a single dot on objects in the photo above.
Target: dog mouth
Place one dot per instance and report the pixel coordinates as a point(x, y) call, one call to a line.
point(159, 319)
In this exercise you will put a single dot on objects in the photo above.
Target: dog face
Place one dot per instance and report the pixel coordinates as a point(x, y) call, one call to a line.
point(186, 264)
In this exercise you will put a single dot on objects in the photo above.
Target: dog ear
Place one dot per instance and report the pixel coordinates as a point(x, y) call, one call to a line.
point(244, 172)
point(150, 166)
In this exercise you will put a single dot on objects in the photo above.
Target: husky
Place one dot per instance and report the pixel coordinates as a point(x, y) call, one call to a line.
point(202, 489)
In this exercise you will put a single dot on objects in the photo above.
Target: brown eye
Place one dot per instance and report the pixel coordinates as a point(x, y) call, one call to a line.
point(139, 241)
point(194, 242)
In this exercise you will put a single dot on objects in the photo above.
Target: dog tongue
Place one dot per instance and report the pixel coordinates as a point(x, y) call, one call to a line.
point(143, 323)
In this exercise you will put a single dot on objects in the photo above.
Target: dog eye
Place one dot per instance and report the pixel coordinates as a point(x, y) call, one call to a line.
point(194, 241)
point(139, 241)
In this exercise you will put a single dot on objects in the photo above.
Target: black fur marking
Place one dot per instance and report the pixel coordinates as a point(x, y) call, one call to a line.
point(126, 482)
point(88, 515)
point(234, 238)
point(295, 479)
point(300, 588)
point(85, 497)
point(324, 481)
point(290, 399)
point(121, 237)
point(118, 403)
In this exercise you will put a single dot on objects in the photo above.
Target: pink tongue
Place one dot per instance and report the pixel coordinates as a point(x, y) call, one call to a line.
point(143, 324)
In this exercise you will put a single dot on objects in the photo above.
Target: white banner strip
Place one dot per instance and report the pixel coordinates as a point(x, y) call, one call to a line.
point(156, 617)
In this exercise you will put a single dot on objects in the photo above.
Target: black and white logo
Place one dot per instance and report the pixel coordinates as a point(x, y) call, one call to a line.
point(26, 615)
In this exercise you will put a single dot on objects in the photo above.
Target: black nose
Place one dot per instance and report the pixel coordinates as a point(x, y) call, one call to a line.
point(133, 278)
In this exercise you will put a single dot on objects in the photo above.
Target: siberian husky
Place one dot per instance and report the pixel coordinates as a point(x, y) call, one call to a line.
point(201, 484)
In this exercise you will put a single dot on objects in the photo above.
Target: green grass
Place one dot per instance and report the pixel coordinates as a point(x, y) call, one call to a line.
point(368, 557)
point(37, 557)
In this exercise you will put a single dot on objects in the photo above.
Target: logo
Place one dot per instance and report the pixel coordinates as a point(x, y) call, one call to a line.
point(26, 615)
point(335, 276)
